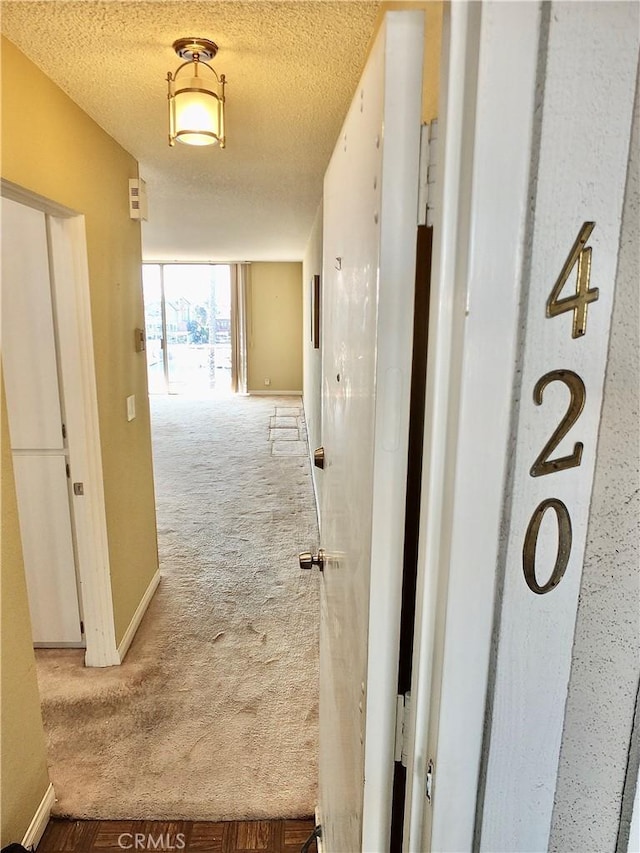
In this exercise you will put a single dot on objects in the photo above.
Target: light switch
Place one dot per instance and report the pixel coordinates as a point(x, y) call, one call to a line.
point(131, 407)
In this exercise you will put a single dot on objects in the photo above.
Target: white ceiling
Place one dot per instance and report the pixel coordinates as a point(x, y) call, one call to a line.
point(292, 68)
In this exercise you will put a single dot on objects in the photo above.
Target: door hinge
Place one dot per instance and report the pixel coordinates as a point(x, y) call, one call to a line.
point(64, 430)
point(428, 784)
point(427, 172)
point(403, 704)
point(68, 470)
point(81, 627)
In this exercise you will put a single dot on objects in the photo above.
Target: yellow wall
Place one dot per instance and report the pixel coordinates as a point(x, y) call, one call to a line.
point(432, 57)
point(24, 763)
point(50, 146)
point(275, 327)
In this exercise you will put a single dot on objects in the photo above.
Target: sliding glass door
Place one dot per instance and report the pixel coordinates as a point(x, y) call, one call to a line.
point(189, 328)
point(153, 319)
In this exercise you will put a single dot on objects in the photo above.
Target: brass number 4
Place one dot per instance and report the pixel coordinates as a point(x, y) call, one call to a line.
point(578, 303)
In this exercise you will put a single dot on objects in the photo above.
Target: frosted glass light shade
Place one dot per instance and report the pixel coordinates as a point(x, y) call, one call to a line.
point(196, 112)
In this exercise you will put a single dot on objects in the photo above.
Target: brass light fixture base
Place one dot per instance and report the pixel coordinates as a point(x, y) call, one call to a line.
point(189, 48)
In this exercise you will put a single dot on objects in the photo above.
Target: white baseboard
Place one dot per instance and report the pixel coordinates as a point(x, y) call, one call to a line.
point(275, 393)
point(130, 633)
point(40, 820)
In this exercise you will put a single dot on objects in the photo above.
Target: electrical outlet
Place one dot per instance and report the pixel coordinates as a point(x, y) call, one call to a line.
point(131, 407)
point(267, 382)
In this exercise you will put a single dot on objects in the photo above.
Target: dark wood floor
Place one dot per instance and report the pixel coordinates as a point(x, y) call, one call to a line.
point(266, 836)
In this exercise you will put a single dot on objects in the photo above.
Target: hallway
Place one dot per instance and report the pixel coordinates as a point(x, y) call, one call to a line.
point(213, 714)
point(429, 216)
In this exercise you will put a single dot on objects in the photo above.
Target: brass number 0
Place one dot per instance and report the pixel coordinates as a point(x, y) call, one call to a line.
point(544, 465)
point(565, 537)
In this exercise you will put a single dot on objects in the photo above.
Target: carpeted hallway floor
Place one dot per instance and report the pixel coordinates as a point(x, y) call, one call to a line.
point(213, 715)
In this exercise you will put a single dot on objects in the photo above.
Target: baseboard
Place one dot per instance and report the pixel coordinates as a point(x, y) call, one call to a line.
point(319, 841)
point(275, 393)
point(40, 820)
point(130, 633)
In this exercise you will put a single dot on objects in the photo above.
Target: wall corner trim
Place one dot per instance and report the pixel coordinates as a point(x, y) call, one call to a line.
point(40, 820)
point(130, 633)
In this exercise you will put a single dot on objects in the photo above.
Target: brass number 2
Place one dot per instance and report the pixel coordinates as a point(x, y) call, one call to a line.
point(565, 538)
point(544, 465)
point(578, 303)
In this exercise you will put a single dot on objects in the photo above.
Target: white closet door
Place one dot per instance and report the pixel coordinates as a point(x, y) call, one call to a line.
point(45, 527)
point(35, 426)
point(28, 343)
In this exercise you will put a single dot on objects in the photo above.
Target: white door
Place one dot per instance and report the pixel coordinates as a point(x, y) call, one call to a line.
point(38, 441)
point(370, 210)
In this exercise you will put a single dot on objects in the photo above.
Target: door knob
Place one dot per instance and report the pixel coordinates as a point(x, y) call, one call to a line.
point(318, 457)
point(309, 560)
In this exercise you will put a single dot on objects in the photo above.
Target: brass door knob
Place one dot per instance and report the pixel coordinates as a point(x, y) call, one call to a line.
point(309, 560)
point(318, 457)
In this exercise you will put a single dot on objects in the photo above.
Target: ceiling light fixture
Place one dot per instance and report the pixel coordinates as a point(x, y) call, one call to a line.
point(196, 103)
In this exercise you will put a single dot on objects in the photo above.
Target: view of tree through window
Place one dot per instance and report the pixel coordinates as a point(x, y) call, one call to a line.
point(188, 327)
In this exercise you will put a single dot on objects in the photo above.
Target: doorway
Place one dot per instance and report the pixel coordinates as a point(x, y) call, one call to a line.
point(51, 402)
point(188, 328)
point(38, 430)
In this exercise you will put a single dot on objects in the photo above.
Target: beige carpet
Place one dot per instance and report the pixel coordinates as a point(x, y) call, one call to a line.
point(213, 715)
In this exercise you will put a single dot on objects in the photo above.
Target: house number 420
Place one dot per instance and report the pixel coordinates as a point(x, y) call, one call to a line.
point(545, 463)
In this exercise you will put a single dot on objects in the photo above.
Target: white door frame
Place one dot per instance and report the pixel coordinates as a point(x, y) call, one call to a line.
point(481, 210)
point(503, 84)
point(70, 278)
point(577, 187)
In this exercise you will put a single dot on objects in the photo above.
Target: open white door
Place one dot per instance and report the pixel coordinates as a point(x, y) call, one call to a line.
point(370, 220)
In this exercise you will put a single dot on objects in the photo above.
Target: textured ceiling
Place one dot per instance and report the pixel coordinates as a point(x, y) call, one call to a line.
point(292, 69)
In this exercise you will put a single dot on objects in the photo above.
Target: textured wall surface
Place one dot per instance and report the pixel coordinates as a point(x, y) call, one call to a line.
point(63, 155)
point(24, 758)
point(606, 664)
point(432, 58)
point(312, 358)
point(274, 309)
point(292, 68)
